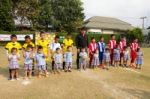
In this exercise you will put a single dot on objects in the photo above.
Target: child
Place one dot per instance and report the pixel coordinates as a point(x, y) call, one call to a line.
point(139, 59)
point(106, 59)
point(13, 59)
point(92, 47)
point(116, 56)
point(95, 60)
point(101, 48)
point(134, 46)
point(29, 42)
point(112, 45)
point(53, 46)
point(68, 59)
point(83, 59)
point(28, 62)
point(41, 62)
point(57, 60)
point(66, 43)
point(126, 56)
point(12, 44)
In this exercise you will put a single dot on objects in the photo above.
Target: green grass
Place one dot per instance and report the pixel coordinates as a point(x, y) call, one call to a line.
point(117, 83)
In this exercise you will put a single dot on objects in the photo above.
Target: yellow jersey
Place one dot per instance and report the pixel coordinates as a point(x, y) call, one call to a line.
point(67, 42)
point(11, 45)
point(26, 44)
point(44, 44)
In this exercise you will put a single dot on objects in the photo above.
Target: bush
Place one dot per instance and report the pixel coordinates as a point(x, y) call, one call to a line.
point(96, 36)
point(135, 33)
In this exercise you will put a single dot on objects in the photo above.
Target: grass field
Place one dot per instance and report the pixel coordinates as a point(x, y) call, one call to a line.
point(117, 83)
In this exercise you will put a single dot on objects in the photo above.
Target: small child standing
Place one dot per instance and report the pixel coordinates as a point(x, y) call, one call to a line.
point(95, 60)
point(57, 60)
point(28, 62)
point(68, 59)
point(126, 56)
point(139, 59)
point(13, 59)
point(106, 58)
point(41, 62)
point(116, 56)
point(83, 59)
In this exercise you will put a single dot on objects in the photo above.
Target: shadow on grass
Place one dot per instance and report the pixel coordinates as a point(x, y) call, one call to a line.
point(140, 94)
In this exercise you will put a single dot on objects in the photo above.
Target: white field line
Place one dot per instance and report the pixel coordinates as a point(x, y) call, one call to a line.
point(132, 70)
point(26, 82)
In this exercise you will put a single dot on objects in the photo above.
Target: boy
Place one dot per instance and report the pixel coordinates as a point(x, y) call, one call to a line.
point(29, 42)
point(112, 45)
point(53, 47)
point(101, 48)
point(10, 45)
point(92, 47)
point(122, 45)
point(67, 42)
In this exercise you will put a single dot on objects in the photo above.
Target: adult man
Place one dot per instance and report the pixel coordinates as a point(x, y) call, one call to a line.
point(81, 42)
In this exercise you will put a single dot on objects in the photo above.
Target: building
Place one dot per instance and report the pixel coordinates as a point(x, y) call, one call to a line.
point(107, 25)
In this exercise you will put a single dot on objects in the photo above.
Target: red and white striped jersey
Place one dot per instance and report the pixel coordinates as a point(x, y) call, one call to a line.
point(134, 46)
point(112, 44)
point(122, 44)
point(92, 47)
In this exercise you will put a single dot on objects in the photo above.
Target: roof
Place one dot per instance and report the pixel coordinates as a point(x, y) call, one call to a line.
point(99, 22)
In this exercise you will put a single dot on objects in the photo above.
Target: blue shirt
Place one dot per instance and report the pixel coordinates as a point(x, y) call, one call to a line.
point(68, 57)
point(40, 59)
point(101, 46)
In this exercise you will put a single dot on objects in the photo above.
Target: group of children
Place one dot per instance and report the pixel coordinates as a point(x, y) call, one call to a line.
point(62, 55)
point(114, 54)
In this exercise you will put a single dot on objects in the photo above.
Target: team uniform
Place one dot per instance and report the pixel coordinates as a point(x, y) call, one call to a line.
point(66, 43)
point(134, 47)
point(92, 47)
point(26, 44)
point(112, 45)
point(11, 45)
point(44, 44)
point(101, 48)
point(68, 60)
point(122, 44)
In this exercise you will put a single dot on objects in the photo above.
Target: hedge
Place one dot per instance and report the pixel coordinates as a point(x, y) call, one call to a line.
point(107, 37)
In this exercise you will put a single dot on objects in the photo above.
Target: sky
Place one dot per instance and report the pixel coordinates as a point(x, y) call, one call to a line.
point(127, 10)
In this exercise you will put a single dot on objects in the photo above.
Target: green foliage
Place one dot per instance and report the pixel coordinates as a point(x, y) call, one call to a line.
point(28, 10)
point(6, 20)
point(45, 14)
point(107, 37)
point(67, 15)
point(135, 33)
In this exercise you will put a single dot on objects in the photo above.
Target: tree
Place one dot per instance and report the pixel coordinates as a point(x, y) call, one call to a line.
point(135, 33)
point(28, 10)
point(67, 15)
point(6, 20)
point(44, 19)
